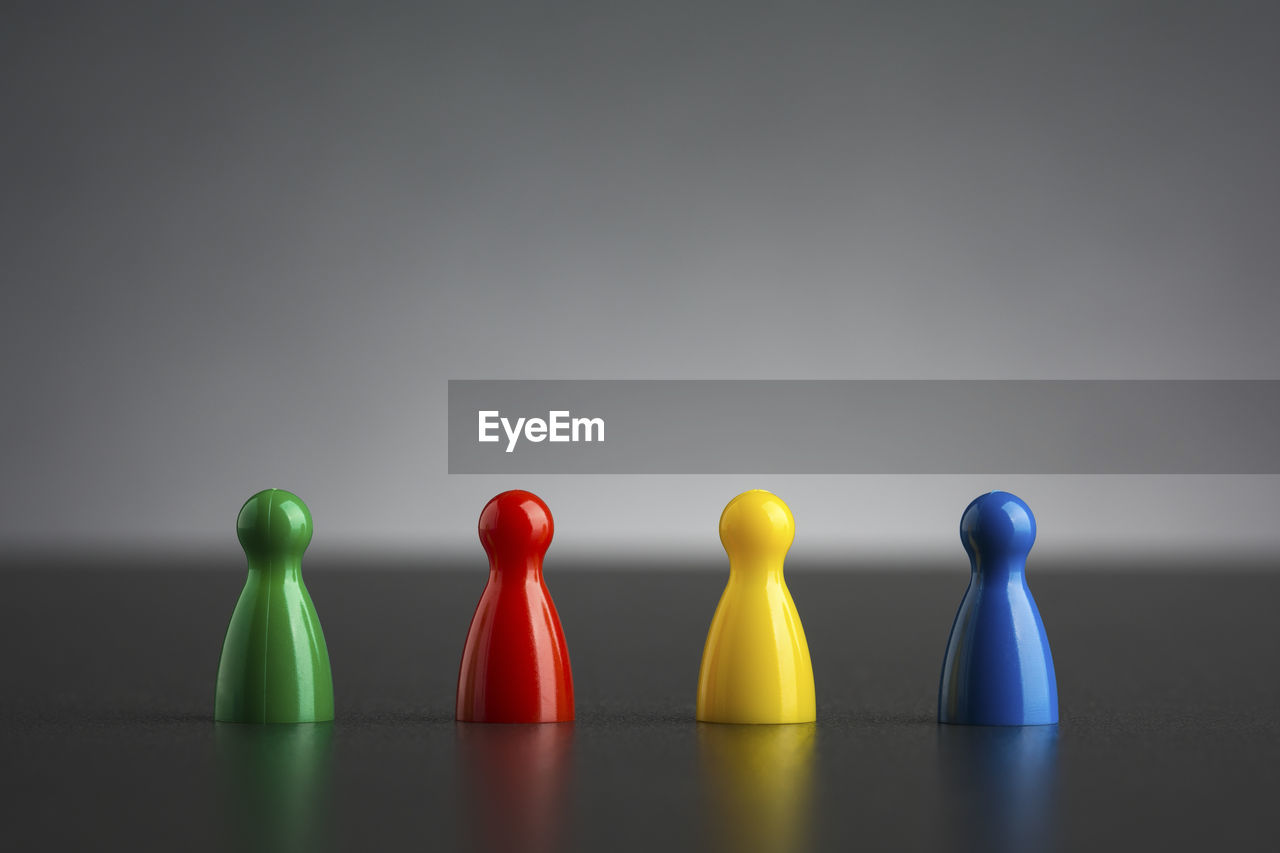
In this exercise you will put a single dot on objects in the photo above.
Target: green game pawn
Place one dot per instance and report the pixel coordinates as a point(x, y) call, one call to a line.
point(275, 665)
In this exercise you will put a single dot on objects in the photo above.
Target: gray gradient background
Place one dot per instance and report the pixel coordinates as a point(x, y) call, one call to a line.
point(245, 248)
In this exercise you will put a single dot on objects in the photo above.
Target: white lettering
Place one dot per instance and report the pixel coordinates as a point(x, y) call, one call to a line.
point(559, 425)
point(513, 435)
point(588, 423)
point(487, 423)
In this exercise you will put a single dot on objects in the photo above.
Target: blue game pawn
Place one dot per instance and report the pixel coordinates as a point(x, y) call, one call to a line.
point(998, 670)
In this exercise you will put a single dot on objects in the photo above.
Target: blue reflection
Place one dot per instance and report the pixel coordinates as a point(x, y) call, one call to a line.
point(999, 786)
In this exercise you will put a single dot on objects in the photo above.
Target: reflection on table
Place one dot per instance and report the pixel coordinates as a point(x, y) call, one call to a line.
point(274, 785)
point(998, 786)
point(758, 781)
point(514, 781)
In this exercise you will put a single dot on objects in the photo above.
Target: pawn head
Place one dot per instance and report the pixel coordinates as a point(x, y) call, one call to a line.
point(274, 524)
point(515, 526)
point(997, 525)
point(757, 524)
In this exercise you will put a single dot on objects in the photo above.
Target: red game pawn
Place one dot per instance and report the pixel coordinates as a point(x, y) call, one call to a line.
point(515, 665)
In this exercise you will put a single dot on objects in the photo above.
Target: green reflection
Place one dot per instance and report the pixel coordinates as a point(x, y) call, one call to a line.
point(759, 784)
point(275, 784)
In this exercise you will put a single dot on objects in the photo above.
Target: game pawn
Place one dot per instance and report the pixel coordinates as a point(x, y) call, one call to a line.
point(275, 665)
point(755, 665)
point(998, 670)
point(515, 664)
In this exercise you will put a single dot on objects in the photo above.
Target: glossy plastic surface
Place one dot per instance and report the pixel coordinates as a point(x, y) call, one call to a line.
point(515, 665)
point(275, 665)
point(998, 670)
point(755, 665)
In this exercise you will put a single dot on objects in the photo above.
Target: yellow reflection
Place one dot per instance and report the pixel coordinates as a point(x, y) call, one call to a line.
point(759, 784)
point(514, 783)
point(998, 786)
point(275, 784)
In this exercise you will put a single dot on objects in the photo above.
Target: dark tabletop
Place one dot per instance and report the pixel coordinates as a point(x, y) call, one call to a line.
point(1168, 683)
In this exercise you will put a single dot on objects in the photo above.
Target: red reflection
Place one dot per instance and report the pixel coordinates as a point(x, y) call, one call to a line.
point(515, 782)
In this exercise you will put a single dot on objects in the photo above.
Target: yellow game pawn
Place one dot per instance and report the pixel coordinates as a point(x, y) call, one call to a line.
point(756, 667)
